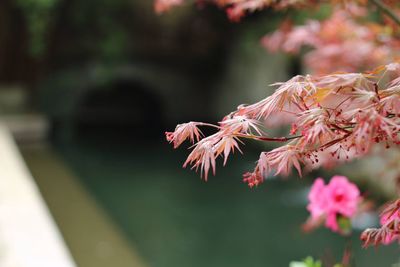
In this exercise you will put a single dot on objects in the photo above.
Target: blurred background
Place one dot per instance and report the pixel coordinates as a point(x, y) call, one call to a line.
point(88, 89)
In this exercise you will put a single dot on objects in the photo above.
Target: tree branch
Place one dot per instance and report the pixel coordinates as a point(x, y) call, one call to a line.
point(385, 9)
point(271, 139)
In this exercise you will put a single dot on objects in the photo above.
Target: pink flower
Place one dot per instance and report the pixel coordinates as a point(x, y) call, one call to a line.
point(339, 197)
point(318, 201)
point(343, 196)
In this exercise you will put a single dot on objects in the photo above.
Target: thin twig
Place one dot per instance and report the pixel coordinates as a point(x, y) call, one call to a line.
point(272, 139)
point(385, 9)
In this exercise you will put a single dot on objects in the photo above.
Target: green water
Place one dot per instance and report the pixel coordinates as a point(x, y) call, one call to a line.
point(175, 219)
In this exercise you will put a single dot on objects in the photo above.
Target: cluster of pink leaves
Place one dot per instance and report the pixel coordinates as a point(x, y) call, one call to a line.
point(161, 6)
point(333, 118)
point(235, 9)
point(390, 227)
point(343, 42)
point(338, 198)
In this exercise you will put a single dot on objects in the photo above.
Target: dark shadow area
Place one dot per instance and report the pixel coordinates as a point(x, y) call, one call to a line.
point(126, 109)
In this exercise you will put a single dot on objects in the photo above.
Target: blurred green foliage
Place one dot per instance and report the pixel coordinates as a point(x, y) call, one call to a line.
point(344, 224)
point(307, 262)
point(107, 20)
point(38, 14)
point(94, 19)
point(109, 32)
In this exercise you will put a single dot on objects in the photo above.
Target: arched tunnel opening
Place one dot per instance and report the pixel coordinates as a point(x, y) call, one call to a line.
point(123, 109)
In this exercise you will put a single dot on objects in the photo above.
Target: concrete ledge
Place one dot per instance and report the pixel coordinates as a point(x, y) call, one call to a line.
point(92, 236)
point(28, 234)
point(26, 128)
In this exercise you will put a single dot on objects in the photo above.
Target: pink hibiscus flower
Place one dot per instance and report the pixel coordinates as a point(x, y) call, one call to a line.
point(339, 197)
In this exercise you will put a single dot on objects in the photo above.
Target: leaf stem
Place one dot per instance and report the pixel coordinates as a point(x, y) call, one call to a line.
point(272, 139)
point(385, 9)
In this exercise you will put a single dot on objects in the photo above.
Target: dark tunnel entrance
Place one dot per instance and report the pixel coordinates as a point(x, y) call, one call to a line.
point(123, 109)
